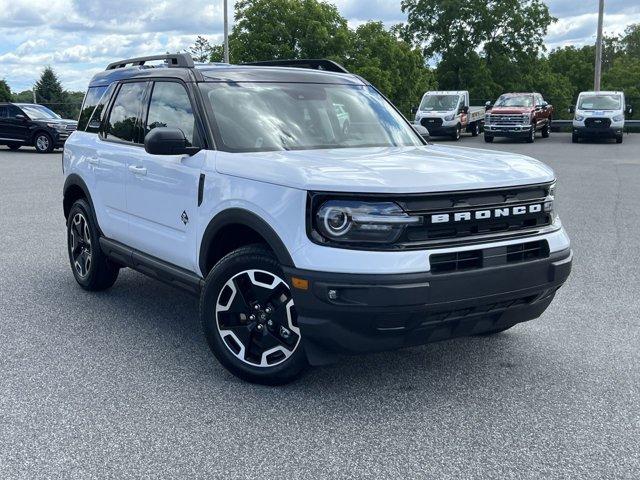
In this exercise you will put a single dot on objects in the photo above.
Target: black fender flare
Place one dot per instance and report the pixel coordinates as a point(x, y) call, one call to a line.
point(75, 180)
point(248, 219)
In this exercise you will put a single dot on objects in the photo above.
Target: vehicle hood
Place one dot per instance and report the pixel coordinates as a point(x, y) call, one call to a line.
point(58, 121)
point(598, 113)
point(511, 110)
point(423, 169)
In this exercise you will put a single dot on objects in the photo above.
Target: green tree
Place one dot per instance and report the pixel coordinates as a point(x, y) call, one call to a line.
point(5, 92)
point(201, 50)
point(49, 92)
point(389, 63)
point(287, 29)
point(630, 42)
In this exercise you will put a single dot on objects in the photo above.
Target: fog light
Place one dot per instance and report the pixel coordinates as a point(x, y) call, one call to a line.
point(333, 294)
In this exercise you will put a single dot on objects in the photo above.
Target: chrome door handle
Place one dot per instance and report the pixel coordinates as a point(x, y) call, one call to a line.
point(137, 170)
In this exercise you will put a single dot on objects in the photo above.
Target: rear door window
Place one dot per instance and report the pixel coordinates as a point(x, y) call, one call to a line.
point(124, 123)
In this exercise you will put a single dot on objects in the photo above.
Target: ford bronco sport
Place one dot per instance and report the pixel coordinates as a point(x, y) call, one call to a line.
point(304, 239)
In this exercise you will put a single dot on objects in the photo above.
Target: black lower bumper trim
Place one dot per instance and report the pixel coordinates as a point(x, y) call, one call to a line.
point(346, 313)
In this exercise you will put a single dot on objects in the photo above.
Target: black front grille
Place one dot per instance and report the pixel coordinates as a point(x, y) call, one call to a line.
point(597, 122)
point(483, 212)
point(431, 122)
point(488, 257)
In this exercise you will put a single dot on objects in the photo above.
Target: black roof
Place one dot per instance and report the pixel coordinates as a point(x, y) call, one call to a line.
point(180, 68)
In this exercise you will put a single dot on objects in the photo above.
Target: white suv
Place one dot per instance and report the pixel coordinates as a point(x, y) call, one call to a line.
point(304, 239)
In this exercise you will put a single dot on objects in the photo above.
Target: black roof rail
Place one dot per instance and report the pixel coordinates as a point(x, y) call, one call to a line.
point(314, 64)
point(183, 60)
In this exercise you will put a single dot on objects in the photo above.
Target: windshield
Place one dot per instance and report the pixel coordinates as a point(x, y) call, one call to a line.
point(254, 117)
point(599, 102)
point(38, 111)
point(439, 102)
point(515, 101)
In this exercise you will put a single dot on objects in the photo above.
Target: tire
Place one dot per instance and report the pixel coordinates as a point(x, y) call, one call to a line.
point(13, 146)
point(532, 135)
point(619, 139)
point(475, 129)
point(246, 311)
point(546, 130)
point(488, 138)
point(43, 142)
point(91, 268)
point(575, 138)
point(456, 135)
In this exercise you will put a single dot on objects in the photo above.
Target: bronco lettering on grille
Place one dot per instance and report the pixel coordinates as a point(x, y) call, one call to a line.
point(486, 214)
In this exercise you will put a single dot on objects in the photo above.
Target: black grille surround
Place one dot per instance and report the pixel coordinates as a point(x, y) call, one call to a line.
point(442, 235)
point(431, 122)
point(597, 122)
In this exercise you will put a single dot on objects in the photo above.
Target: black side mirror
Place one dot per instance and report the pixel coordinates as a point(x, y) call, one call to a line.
point(629, 110)
point(544, 104)
point(422, 131)
point(20, 117)
point(572, 109)
point(414, 110)
point(168, 141)
point(488, 105)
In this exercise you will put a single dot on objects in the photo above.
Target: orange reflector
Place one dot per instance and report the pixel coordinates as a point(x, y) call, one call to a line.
point(300, 283)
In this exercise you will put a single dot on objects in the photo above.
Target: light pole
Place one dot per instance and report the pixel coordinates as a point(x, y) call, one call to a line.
point(226, 33)
point(598, 69)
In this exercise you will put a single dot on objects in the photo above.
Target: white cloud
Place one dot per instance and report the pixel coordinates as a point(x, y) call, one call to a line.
point(80, 37)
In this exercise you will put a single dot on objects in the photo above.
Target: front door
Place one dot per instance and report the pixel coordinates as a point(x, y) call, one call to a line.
point(162, 190)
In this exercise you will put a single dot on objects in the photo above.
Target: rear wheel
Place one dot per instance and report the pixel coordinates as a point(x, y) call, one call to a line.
point(249, 318)
point(475, 129)
point(43, 143)
point(91, 268)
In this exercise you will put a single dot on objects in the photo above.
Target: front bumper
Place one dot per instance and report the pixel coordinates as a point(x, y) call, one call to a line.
point(510, 131)
point(372, 312)
point(590, 132)
point(441, 131)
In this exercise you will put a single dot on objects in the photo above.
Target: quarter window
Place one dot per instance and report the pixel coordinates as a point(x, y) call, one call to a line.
point(170, 107)
point(123, 124)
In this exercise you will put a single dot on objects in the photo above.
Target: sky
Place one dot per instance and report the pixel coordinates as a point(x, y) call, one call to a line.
point(80, 37)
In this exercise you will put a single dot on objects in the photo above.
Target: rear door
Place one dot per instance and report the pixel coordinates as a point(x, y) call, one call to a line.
point(118, 146)
point(13, 128)
point(162, 190)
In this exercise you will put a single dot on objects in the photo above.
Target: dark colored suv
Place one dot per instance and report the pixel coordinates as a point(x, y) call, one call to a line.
point(30, 124)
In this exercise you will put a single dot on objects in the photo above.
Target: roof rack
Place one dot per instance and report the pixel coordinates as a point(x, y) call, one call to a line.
point(314, 64)
point(183, 60)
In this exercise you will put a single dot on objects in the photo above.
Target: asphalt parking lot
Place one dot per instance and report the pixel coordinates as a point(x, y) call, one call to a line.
point(121, 384)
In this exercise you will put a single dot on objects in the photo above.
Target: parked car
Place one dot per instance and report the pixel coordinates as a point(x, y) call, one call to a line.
point(599, 115)
point(239, 184)
point(447, 113)
point(518, 115)
point(30, 124)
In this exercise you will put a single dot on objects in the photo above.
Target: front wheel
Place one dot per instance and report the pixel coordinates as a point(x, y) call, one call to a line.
point(546, 130)
point(532, 135)
point(43, 143)
point(456, 133)
point(575, 138)
point(249, 318)
point(488, 138)
point(619, 139)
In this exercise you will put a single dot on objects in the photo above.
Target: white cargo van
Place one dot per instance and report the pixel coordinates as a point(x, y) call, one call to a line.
point(599, 115)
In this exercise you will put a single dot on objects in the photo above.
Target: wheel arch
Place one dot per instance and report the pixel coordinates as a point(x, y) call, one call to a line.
point(248, 225)
point(34, 134)
point(75, 188)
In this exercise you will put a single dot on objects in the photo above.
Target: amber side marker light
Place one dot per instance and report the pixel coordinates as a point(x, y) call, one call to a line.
point(300, 283)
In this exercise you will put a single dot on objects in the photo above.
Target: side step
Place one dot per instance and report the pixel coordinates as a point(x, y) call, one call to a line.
point(152, 266)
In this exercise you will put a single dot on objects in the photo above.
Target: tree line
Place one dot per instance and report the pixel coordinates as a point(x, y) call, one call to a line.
point(485, 46)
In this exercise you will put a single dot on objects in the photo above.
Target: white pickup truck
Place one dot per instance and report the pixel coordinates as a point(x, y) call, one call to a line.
point(447, 113)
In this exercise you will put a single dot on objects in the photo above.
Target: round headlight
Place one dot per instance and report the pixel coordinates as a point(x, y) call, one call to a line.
point(336, 221)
